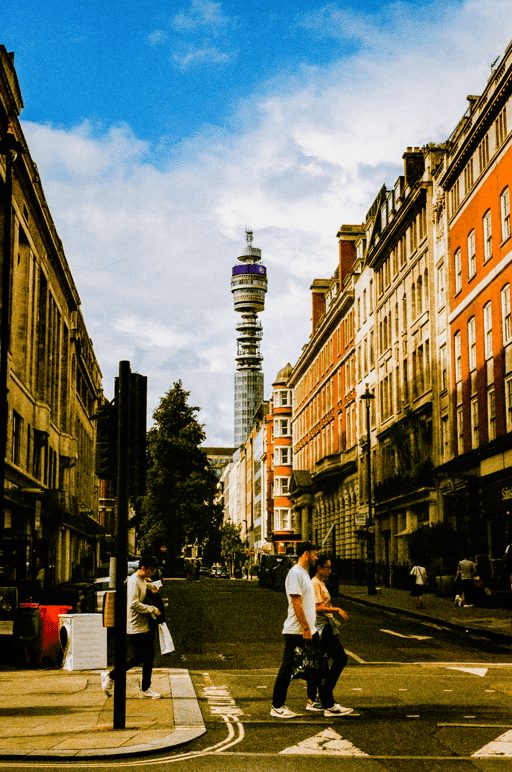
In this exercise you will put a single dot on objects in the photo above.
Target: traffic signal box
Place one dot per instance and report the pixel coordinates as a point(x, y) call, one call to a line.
point(107, 428)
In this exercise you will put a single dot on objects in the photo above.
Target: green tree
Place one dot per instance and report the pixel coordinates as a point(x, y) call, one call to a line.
point(437, 542)
point(232, 548)
point(179, 506)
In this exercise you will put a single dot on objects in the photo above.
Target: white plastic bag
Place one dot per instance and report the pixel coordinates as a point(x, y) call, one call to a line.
point(166, 642)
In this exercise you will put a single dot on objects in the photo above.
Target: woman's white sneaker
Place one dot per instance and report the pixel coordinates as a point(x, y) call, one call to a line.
point(151, 695)
point(338, 710)
point(283, 712)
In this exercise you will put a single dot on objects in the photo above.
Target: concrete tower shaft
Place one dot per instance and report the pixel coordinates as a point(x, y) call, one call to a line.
point(248, 285)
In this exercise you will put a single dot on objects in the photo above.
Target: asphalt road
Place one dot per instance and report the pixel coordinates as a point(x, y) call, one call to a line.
point(424, 698)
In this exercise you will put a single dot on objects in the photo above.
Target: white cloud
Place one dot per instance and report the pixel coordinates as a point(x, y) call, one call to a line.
point(192, 57)
point(203, 15)
point(151, 244)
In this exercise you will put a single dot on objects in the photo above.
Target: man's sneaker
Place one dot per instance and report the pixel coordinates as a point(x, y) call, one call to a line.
point(151, 695)
point(283, 712)
point(338, 710)
point(107, 683)
point(315, 706)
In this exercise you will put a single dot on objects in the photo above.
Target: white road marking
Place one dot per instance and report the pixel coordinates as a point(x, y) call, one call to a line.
point(479, 671)
point(354, 656)
point(326, 743)
point(499, 748)
point(400, 635)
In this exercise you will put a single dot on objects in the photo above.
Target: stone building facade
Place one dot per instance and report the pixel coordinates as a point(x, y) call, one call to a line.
point(54, 385)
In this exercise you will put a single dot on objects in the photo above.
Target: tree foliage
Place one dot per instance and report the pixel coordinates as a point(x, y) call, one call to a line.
point(179, 507)
point(232, 547)
point(436, 542)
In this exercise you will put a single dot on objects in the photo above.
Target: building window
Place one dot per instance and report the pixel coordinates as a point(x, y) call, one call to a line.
point(444, 438)
point(457, 260)
point(17, 433)
point(491, 414)
point(282, 456)
point(468, 176)
point(440, 285)
point(471, 254)
point(460, 430)
point(474, 423)
point(282, 519)
point(501, 128)
point(458, 361)
point(505, 314)
point(483, 153)
point(472, 344)
point(454, 197)
point(444, 371)
point(508, 403)
point(281, 486)
point(282, 427)
point(505, 214)
point(487, 235)
point(488, 330)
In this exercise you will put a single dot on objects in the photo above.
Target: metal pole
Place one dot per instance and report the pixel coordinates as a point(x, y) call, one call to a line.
point(123, 444)
point(5, 336)
point(370, 532)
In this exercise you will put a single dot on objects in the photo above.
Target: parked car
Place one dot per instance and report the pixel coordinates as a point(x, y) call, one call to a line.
point(204, 571)
point(273, 570)
point(219, 572)
point(102, 581)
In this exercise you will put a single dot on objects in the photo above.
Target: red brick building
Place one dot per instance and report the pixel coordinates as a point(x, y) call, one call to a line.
point(477, 177)
point(325, 481)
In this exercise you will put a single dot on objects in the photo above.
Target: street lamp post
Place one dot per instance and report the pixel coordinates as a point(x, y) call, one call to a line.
point(370, 530)
point(10, 148)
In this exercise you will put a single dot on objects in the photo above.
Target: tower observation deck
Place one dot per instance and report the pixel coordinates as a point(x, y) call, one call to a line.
point(248, 285)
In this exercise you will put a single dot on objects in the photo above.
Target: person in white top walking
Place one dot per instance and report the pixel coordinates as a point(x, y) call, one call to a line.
point(299, 627)
point(140, 635)
point(420, 574)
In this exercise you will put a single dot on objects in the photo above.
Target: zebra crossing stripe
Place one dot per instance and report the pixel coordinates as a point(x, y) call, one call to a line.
point(500, 748)
point(326, 743)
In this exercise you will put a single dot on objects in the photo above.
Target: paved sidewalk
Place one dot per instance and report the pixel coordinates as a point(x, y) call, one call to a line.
point(61, 713)
point(494, 623)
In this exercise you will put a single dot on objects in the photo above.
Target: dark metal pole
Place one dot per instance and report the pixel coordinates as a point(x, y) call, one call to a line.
point(370, 531)
point(123, 444)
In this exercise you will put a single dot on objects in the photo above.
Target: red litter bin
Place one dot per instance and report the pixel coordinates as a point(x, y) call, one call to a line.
point(49, 643)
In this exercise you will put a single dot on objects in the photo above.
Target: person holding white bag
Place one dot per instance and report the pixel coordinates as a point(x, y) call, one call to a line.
point(140, 634)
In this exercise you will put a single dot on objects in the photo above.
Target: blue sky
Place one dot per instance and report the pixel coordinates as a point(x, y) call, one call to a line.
point(162, 129)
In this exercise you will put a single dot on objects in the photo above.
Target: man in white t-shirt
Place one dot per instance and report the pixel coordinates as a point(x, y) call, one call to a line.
point(299, 626)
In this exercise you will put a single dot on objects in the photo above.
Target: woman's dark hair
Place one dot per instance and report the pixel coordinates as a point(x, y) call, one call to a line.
point(322, 560)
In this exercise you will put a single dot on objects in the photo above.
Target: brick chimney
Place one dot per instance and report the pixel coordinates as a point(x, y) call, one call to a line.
point(414, 165)
point(348, 235)
point(318, 292)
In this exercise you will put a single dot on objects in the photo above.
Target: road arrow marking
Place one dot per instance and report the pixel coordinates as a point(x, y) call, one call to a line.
point(499, 748)
point(480, 671)
point(400, 635)
point(326, 743)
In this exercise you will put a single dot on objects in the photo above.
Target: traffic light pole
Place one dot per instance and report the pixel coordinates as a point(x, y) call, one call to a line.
point(123, 449)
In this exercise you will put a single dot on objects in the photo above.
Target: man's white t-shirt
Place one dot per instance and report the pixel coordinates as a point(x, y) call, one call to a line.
point(298, 583)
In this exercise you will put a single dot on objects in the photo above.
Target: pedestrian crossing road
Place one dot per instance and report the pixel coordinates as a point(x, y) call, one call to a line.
point(421, 711)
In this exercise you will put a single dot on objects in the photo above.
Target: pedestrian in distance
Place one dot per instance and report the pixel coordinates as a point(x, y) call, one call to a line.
point(418, 582)
point(141, 636)
point(299, 629)
point(328, 628)
point(466, 571)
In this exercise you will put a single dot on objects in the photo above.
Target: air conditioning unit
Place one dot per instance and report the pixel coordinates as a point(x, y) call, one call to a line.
point(84, 641)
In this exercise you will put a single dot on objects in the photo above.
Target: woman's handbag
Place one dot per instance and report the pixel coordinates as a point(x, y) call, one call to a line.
point(335, 625)
point(309, 661)
point(165, 637)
